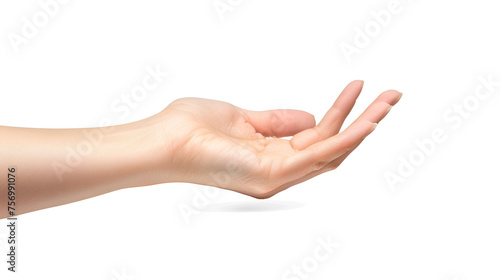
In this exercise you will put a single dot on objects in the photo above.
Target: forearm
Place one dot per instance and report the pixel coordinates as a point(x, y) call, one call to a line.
point(59, 166)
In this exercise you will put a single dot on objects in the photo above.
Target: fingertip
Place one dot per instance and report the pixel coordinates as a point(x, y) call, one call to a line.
point(358, 83)
point(388, 109)
point(400, 95)
point(390, 96)
point(312, 120)
point(295, 122)
point(373, 127)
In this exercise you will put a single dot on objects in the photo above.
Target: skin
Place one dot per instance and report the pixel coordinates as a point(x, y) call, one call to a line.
point(192, 140)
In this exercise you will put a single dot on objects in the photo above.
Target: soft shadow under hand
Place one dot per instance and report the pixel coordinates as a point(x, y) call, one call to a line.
point(253, 206)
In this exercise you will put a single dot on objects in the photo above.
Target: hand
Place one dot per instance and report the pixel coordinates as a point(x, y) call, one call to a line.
point(193, 140)
point(218, 144)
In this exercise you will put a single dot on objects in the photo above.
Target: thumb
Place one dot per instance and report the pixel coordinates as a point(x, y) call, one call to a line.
point(281, 122)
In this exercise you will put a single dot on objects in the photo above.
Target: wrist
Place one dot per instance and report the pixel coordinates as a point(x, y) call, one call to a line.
point(151, 145)
point(130, 154)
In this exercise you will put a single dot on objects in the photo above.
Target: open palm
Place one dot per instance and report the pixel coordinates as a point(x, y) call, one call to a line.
point(221, 145)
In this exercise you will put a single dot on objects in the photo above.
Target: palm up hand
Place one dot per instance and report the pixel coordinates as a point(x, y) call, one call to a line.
point(221, 145)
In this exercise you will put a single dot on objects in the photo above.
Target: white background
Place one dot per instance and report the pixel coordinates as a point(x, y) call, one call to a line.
point(442, 222)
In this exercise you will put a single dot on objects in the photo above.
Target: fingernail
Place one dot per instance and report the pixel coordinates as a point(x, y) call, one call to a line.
point(360, 82)
point(400, 95)
point(374, 126)
point(389, 109)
